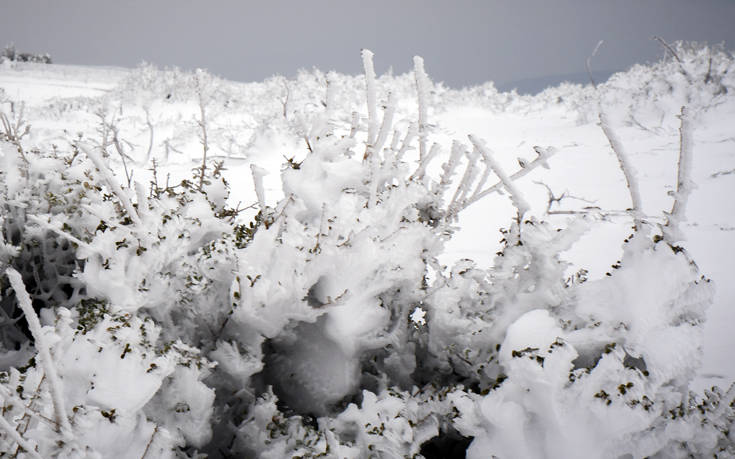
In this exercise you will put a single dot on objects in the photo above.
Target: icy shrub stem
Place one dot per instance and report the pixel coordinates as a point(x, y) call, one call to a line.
point(24, 301)
point(258, 173)
point(518, 201)
point(626, 167)
point(367, 62)
point(12, 433)
point(684, 183)
point(112, 183)
point(422, 89)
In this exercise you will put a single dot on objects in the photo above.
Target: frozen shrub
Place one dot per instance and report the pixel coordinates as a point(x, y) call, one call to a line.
point(326, 326)
point(10, 54)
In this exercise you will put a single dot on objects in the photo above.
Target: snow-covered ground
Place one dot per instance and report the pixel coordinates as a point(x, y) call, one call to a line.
point(157, 117)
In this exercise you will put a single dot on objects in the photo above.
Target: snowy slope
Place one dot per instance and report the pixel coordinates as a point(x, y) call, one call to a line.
point(156, 113)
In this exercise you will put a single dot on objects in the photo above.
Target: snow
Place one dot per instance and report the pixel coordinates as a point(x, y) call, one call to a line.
point(335, 295)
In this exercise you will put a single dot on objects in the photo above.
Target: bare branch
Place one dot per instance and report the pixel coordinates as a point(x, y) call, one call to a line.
point(667, 47)
point(589, 60)
point(150, 442)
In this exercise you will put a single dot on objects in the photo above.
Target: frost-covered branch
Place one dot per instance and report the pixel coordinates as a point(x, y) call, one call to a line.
point(518, 200)
point(668, 48)
point(684, 182)
point(424, 163)
point(150, 130)
point(14, 131)
point(121, 152)
point(422, 89)
point(43, 224)
point(17, 438)
point(449, 168)
point(406, 145)
point(455, 205)
point(625, 166)
point(385, 128)
point(258, 173)
point(543, 155)
point(24, 301)
point(367, 62)
point(112, 183)
point(202, 122)
point(589, 60)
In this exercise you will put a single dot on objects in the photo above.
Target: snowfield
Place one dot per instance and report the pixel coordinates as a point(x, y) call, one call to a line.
point(279, 312)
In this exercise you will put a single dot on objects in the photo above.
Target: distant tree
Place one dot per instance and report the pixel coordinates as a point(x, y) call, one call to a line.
point(9, 53)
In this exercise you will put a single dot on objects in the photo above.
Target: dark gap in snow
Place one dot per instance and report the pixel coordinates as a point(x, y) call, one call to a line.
point(447, 445)
point(635, 363)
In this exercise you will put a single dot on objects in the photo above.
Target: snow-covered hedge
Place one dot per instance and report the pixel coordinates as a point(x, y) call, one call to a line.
point(326, 326)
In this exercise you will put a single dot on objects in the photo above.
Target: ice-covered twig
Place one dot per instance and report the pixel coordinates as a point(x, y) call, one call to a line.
point(258, 173)
point(543, 155)
point(15, 131)
point(150, 138)
point(668, 48)
point(558, 199)
point(150, 442)
point(202, 122)
point(24, 301)
point(604, 214)
point(367, 62)
point(43, 224)
point(121, 152)
point(589, 60)
point(424, 163)
point(422, 89)
point(467, 178)
point(112, 183)
point(684, 183)
point(385, 128)
point(374, 164)
point(625, 166)
point(518, 201)
point(410, 134)
point(448, 169)
point(17, 438)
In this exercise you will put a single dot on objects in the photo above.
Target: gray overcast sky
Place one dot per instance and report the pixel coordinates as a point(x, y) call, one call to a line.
point(464, 42)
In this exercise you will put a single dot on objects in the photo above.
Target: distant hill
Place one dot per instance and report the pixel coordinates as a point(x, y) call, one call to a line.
point(537, 84)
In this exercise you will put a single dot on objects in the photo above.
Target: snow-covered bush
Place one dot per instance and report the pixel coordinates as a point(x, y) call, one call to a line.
point(10, 54)
point(690, 74)
point(326, 326)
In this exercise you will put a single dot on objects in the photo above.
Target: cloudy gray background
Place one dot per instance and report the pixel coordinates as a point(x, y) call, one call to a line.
point(523, 43)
